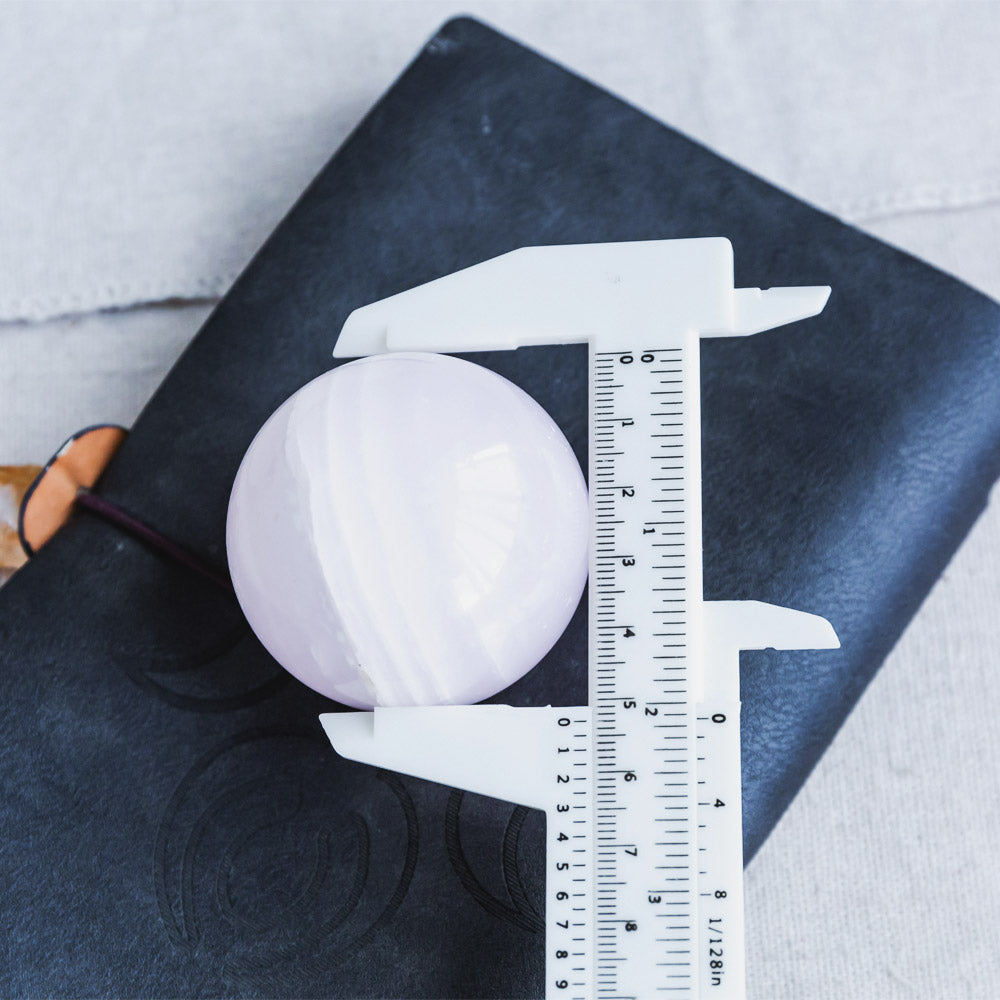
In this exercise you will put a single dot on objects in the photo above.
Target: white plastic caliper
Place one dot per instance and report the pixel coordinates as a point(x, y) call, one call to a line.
point(641, 788)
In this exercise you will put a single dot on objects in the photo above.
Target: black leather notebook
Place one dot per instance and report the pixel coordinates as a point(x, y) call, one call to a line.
point(173, 822)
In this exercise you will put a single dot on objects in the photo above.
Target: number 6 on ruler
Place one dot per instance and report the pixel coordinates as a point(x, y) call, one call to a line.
point(641, 788)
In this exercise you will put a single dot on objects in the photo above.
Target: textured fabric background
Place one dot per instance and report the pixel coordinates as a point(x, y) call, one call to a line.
point(146, 150)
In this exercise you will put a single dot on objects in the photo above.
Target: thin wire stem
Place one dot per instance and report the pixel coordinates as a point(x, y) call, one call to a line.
point(113, 514)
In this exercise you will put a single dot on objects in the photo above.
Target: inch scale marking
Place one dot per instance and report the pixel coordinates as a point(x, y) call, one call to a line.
point(641, 788)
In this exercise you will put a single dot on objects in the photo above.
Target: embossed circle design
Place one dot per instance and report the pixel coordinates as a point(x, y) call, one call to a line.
point(277, 860)
point(520, 908)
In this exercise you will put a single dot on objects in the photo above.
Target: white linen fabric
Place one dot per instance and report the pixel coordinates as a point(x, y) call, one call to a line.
point(147, 149)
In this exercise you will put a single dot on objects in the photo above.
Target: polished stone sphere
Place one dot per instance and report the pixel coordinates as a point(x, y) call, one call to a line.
point(409, 529)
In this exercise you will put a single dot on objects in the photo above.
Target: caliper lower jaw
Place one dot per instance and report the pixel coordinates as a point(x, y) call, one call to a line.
point(494, 749)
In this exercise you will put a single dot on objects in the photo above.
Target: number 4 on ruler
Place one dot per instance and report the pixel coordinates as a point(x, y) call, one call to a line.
point(644, 879)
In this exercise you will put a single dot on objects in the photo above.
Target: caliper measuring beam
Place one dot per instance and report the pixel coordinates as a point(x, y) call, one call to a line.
point(641, 787)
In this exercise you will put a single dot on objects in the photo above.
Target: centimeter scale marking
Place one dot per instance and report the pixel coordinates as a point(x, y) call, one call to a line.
point(645, 563)
point(641, 788)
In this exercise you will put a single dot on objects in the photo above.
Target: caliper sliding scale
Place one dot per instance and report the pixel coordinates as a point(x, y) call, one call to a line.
point(641, 789)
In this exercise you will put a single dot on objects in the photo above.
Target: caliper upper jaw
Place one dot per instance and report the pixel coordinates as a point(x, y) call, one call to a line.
point(572, 294)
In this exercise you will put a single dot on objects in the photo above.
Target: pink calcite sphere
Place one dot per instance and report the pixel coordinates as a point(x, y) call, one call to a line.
point(409, 529)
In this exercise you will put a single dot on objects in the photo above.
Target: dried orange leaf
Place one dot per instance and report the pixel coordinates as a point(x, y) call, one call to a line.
point(14, 483)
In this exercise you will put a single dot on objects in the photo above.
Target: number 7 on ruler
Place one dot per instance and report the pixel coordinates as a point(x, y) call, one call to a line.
point(641, 788)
